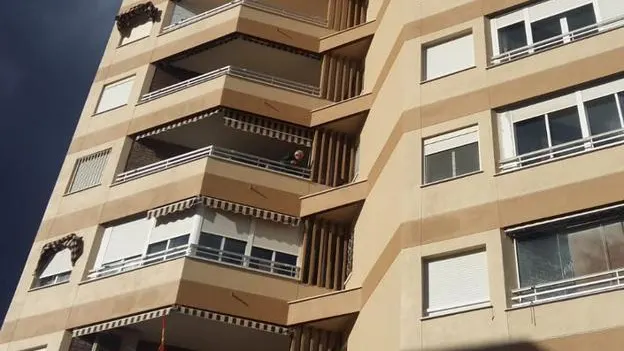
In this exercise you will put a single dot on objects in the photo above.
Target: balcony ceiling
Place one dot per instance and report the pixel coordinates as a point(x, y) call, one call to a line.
point(199, 334)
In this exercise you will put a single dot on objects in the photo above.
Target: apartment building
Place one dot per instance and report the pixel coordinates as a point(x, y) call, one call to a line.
point(340, 175)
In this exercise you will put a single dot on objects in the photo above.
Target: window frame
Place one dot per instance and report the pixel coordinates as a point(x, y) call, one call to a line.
point(427, 312)
point(443, 41)
point(115, 83)
point(596, 219)
point(105, 154)
point(121, 42)
point(450, 137)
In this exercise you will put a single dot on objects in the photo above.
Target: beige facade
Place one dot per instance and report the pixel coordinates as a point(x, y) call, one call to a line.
point(459, 187)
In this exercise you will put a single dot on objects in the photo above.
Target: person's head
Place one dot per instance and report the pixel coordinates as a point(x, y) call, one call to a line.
point(299, 155)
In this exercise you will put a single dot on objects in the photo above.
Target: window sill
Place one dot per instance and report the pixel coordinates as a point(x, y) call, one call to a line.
point(97, 114)
point(47, 286)
point(451, 179)
point(459, 310)
point(132, 42)
point(81, 190)
point(448, 75)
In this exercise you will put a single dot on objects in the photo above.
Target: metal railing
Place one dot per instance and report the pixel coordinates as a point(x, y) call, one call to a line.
point(568, 288)
point(197, 252)
point(218, 153)
point(558, 40)
point(576, 147)
point(249, 3)
point(234, 72)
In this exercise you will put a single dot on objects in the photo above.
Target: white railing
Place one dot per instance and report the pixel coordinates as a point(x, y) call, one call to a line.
point(594, 142)
point(197, 252)
point(558, 40)
point(568, 288)
point(249, 3)
point(235, 72)
point(218, 153)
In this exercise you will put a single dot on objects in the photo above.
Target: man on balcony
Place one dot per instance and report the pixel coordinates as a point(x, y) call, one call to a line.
point(295, 159)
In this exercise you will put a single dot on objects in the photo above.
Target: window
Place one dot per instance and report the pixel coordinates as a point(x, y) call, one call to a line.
point(219, 248)
point(451, 155)
point(58, 270)
point(139, 32)
point(87, 171)
point(565, 125)
point(457, 283)
point(449, 57)
point(115, 94)
point(569, 250)
point(544, 25)
point(122, 246)
point(168, 249)
point(273, 261)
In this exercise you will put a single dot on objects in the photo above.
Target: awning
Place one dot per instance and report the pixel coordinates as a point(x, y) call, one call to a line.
point(183, 310)
point(136, 14)
point(170, 126)
point(270, 128)
point(72, 242)
point(225, 206)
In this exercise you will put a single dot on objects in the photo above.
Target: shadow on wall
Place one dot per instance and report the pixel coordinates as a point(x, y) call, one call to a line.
point(513, 346)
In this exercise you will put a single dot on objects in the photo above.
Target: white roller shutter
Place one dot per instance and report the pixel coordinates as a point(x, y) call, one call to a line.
point(231, 225)
point(60, 263)
point(172, 225)
point(115, 94)
point(610, 9)
point(452, 140)
point(456, 282)
point(449, 57)
point(139, 32)
point(124, 240)
point(276, 236)
point(550, 8)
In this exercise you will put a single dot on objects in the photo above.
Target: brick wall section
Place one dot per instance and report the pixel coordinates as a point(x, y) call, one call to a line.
point(148, 151)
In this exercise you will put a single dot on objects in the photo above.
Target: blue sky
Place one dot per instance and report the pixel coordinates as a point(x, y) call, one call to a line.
point(49, 53)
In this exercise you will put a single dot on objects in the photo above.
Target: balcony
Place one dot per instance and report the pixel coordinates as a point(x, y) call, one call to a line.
point(199, 252)
point(187, 13)
point(223, 134)
point(239, 56)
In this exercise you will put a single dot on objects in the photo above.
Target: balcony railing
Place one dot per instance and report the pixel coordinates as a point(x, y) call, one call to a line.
point(248, 3)
point(561, 39)
point(234, 72)
point(197, 252)
point(218, 153)
point(581, 146)
point(564, 289)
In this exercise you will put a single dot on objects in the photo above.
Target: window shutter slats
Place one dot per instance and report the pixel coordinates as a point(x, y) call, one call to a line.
point(451, 140)
point(88, 171)
point(449, 57)
point(60, 263)
point(115, 94)
point(456, 282)
point(124, 240)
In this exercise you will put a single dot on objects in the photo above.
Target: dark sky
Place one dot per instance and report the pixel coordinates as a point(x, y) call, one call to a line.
point(49, 53)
